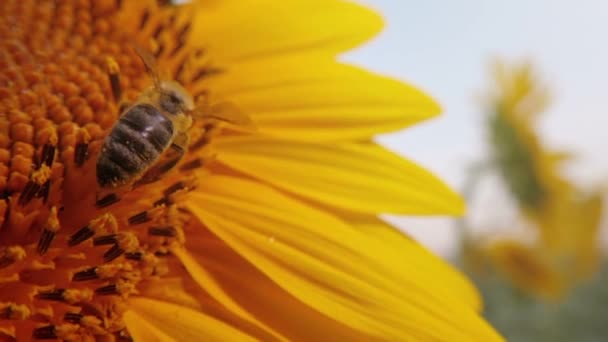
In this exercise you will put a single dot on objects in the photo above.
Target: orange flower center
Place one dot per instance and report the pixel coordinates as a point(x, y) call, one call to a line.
point(70, 258)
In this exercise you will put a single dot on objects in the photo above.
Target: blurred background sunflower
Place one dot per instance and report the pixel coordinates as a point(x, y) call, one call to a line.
point(524, 138)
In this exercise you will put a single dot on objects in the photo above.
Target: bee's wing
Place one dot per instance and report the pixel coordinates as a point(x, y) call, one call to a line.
point(226, 112)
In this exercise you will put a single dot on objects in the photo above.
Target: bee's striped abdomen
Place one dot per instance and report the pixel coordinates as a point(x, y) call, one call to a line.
point(135, 142)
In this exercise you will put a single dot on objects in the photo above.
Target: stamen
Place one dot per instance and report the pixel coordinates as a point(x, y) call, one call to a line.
point(54, 295)
point(162, 201)
point(107, 200)
point(93, 324)
point(48, 234)
point(191, 165)
point(125, 242)
point(120, 288)
point(14, 311)
point(11, 254)
point(107, 290)
point(48, 154)
point(144, 19)
point(66, 295)
point(81, 153)
point(44, 191)
point(162, 231)
point(137, 256)
point(160, 48)
point(113, 253)
point(6, 313)
point(139, 218)
point(173, 188)
point(102, 224)
point(113, 74)
point(180, 40)
point(30, 190)
point(49, 140)
point(88, 274)
point(180, 69)
point(204, 140)
point(168, 193)
point(199, 53)
point(105, 240)
point(205, 72)
point(72, 317)
point(73, 296)
point(45, 333)
point(34, 185)
point(181, 35)
point(111, 270)
point(156, 34)
point(81, 235)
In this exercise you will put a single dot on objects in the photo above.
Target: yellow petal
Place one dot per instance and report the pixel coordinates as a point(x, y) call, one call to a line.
point(184, 324)
point(168, 289)
point(142, 331)
point(262, 297)
point(359, 177)
point(313, 98)
point(318, 259)
point(209, 284)
point(395, 249)
point(243, 29)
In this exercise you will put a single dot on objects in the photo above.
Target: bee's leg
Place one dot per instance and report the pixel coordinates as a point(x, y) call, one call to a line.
point(169, 159)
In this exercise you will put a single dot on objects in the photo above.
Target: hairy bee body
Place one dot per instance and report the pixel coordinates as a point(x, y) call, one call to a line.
point(151, 136)
point(136, 141)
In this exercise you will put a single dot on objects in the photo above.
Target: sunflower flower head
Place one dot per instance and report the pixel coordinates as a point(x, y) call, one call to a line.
point(563, 246)
point(572, 237)
point(265, 231)
point(526, 268)
point(528, 169)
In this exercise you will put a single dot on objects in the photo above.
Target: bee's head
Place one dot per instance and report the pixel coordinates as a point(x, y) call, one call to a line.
point(173, 98)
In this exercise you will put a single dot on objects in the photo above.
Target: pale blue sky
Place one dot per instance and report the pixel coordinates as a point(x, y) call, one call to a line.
point(445, 48)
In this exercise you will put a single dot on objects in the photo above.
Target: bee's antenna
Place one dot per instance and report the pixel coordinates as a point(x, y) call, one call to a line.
point(149, 63)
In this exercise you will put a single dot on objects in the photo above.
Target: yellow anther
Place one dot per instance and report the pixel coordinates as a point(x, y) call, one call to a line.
point(41, 175)
point(11, 254)
point(74, 296)
point(52, 223)
point(85, 136)
point(105, 223)
point(110, 270)
point(125, 288)
point(128, 242)
point(68, 332)
point(15, 311)
point(93, 324)
point(154, 46)
point(112, 66)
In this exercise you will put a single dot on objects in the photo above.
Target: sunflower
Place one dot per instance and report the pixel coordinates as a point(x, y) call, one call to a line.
point(529, 170)
point(526, 267)
point(574, 242)
point(266, 231)
point(564, 219)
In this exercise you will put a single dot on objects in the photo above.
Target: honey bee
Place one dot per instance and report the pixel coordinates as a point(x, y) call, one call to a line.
point(151, 134)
